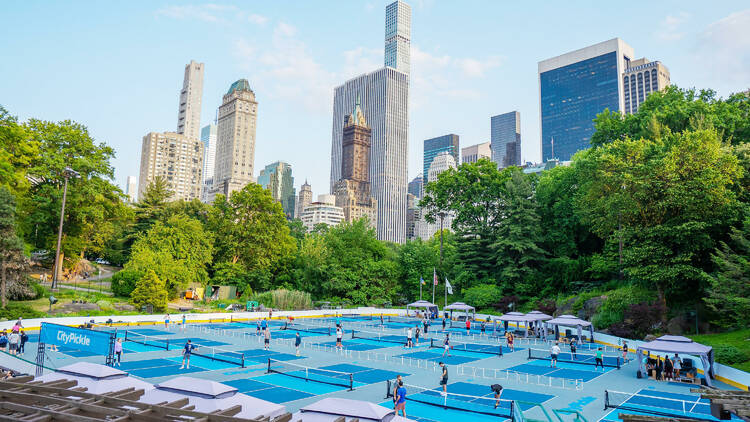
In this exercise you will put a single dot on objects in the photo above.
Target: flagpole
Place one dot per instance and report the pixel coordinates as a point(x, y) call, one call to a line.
point(420, 289)
point(434, 280)
point(446, 292)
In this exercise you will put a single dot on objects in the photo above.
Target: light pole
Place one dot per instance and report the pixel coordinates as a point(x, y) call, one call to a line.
point(67, 174)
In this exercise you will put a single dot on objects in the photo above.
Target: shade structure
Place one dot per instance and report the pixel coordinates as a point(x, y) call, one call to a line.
point(572, 321)
point(332, 408)
point(462, 307)
point(96, 378)
point(430, 307)
point(537, 319)
point(679, 344)
point(210, 396)
point(518, 318)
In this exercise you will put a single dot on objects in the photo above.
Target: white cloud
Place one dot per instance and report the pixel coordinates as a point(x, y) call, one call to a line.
point(477, 68)
point(206, 12)
point(724, 47)
point(361, 60)
point(257, 19)
point(284, 29)
point(671, 25)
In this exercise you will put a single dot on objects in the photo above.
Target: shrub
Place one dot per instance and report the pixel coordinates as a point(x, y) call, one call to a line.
point(14, 310)
point(639, 320)
point(482, 296)
point(618, 300)
point(729, 355)
point(507, 304)
point(39, 290)
point(123, 283)
point(150, 290)
point(547, 306)
point(104, 305)
point(284, 299)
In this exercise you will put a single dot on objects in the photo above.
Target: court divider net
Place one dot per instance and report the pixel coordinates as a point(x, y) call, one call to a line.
point(308, 328)
point(325, 376)
point(578, 357)
point(482, 405)
point(388, 338)
point(491, 349)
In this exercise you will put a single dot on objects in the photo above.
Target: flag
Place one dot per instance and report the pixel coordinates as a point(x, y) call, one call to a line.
point(434, 277)
point(421, 281)
point(448, 286)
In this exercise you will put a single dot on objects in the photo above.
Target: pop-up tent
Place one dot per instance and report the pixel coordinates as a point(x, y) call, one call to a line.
point(429, 307)
point(96, 378)
point(332, 409)
point(518, 318)
point(461, 307)
point(572, 321)
point(537, 319)
point(679, 344)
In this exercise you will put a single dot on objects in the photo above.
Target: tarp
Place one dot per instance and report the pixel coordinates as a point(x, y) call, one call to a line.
point(210, 396)
point(332, 408)
point(572, 321)
point(679, 344)
point(98, 379)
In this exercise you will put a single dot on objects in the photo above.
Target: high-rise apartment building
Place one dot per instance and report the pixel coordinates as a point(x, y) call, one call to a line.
point(208, 137)
point(384, 97)
point(412, 215)
point(304, 199)
point(132, 189)
point(353, 189)
point(433, 147)
point(235, 142)
point(473, 153)
point(574, 88)
point(398, 36)
point(415, 187)
point(641, 78)
point(505, 139)
point(441, 163)
point(277, 178)
point(176, 158)
point(189, 116)
point(324, 211)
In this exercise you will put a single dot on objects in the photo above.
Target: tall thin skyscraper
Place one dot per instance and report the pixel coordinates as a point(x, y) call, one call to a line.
point(303, 199)
point(132, 189)
point(574, 88)
point(505, 139)
point(434, 146)
point(384, 95)
point(398, 36)
point(189, 116)
point(235, 144)
point(277, 178)
point(424, 229)
point(208, 137)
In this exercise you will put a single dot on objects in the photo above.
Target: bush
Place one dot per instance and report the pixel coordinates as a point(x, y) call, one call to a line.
point(150, 290)
point(618, 300)
point(507, 304)
point(104, 305)
point(14, 310)
point(639, 320)
point(284, 299)
point(123, 283)
point(482, 296)
point(729, 355)
point(39, 290)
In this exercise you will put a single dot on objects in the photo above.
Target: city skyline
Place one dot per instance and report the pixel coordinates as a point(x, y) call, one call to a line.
point(442, 71)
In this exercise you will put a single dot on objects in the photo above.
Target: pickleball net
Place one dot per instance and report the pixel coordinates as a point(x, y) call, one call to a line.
point(151, 341)
point(325, 376)
point(388, 338)
point(308, 328)
point(578, 357)
point(491, 349)
point(656, 405)
point(482, 405)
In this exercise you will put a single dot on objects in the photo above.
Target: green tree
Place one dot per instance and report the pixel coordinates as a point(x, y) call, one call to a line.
point(416, 260)
point(729, 291)
point(17, 152)
point(297, 230)
point(150, 290)
point(251, 230)
point(11, 246)
point(517, 250)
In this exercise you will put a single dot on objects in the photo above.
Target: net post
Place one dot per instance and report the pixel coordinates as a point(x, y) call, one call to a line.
point(269, 366)
point(351, 382)
point(242, 359)
point(126, 335)
point(529, 358)
point(512, 413)
point(606, 399)
point(501, 350)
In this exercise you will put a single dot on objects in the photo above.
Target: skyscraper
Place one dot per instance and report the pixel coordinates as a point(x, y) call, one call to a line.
point(304, 199)
point(208, 137)
point(441, 163)
point(574, 88)
point(176, 158)
point(641, 78)
point(235, 142)
point(384, 97)
point(412, 215)
point(132, 189)
point(398, 36)
point(189, 116)
point(277, 178)
point(505, 139)
point(433, 147)
point(473, 153)
point(353, 189)
point(415, 187)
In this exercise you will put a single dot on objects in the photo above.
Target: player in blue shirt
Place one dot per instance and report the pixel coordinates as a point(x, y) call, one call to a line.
point(186, 352)
point(401, 398)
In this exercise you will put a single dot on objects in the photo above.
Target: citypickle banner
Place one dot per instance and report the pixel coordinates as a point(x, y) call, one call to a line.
point(95, 342)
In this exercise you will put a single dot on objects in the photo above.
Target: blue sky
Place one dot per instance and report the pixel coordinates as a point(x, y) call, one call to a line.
point(117, 67)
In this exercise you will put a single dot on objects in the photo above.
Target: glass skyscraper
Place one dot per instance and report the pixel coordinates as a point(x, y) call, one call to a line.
point(277, 178)
point(574, 88)
point(505, 139)
point(434, 146)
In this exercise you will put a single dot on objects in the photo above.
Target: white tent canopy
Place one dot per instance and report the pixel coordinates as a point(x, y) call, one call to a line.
point(677, 345)
point(96, 378)
point(431, 308)
point(460, 306)
point(333, 408)
point(210, 396)
point(518, 318)
point(537, 319)
point(572, 321)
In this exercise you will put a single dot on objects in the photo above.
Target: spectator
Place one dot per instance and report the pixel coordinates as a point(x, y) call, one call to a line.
point(668, 368)
point(3, 340)
point(24, 339)
point(118, 351)
point(677, 365)
point(659, 368)
point(14, 341)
